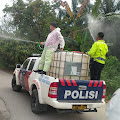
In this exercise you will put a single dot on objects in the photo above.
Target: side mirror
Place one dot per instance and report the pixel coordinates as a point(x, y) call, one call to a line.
point(18, 66)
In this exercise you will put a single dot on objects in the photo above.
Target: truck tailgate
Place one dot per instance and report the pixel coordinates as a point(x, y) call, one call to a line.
point(87, 90)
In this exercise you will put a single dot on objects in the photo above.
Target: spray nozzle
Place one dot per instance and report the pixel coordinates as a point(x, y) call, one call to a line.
point(39, 46)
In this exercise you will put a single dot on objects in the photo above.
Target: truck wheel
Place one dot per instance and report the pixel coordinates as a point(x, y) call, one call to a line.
point(35, 105)
point(15, 87)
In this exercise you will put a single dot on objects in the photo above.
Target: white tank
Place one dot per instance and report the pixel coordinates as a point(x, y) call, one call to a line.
point(70, 65)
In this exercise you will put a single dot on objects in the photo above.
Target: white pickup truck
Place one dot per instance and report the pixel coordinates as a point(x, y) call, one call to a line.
point(64, 95)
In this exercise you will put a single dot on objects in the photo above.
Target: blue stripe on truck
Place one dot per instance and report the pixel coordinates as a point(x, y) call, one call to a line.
point(80, 90)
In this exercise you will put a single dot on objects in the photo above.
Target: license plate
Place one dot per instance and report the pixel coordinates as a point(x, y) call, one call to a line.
point(79, 107)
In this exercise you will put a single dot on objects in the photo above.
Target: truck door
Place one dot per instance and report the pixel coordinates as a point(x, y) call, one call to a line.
point(23, 72)
point(28, 73)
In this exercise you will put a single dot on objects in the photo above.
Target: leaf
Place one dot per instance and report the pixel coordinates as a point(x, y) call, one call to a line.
point(95, 8)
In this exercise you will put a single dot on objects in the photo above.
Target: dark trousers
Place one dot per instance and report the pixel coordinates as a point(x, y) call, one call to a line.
point(95, 70)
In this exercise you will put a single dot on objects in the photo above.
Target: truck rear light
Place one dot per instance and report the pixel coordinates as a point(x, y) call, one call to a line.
point(104, 91)
point(53, 90)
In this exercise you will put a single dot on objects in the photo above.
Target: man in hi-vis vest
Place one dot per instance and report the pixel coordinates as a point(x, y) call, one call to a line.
point(98, 56)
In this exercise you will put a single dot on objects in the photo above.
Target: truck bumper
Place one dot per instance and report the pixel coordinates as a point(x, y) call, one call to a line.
point(65, 105)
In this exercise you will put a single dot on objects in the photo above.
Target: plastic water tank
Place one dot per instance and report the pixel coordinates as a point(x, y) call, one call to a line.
point(70, 65)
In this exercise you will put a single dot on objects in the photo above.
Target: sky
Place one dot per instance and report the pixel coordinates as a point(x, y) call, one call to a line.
point(2, 5)
point(9, 2)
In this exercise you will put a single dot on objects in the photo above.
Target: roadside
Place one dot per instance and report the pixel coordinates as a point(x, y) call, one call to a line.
point(3, 68)
point(4, 113)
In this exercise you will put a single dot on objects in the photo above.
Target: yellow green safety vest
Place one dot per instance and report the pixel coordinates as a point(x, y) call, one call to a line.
point(98, 51)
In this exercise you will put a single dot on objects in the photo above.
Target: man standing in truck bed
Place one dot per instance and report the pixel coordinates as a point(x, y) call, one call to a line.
point(53, 40)
point(98, 55)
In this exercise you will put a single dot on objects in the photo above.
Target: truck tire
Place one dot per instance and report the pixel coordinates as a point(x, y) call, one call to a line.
point(15, 87)
point(35, 105)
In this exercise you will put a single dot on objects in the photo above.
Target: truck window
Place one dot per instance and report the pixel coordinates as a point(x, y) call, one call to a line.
point(32, 64)
point(26, 64)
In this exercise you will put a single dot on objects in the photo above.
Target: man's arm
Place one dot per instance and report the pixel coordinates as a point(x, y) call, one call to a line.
point(42, 43)
point(93, 49)
point(61, 39)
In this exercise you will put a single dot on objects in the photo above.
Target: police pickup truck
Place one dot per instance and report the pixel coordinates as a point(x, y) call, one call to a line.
point(62, 94)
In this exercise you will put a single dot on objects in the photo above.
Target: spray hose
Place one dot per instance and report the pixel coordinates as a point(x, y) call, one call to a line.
point(40, 46)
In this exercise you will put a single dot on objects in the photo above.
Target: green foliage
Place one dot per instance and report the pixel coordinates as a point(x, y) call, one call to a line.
point(109, 6)
point(32, 19)
point(95, 10)
point(105, 6)
point(75, 8)
point(111, 74)
point(84, 41)
point(14, 52)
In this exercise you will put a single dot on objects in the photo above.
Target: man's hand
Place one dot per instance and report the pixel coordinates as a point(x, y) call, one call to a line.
point(42, 43)
point(61, 49)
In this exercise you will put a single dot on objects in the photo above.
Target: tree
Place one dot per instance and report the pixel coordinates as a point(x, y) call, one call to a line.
point(6, 27)
point(108, 6)
point(32, 19)
point(75, 24)
point(105, 6)
point(95, 9)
